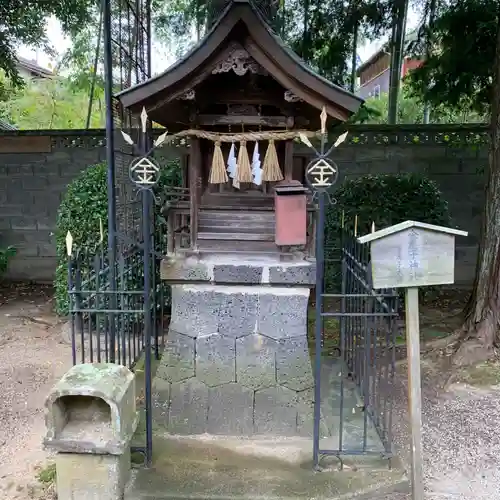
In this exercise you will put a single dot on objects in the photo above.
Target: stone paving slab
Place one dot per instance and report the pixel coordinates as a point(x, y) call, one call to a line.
point(197, 469)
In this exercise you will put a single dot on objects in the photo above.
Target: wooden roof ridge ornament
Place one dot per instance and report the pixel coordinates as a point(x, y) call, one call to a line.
point(239, 61)
point(409, 255)
point(289, 96)
point(240, 23)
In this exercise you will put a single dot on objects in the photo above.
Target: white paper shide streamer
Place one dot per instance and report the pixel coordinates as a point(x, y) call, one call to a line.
point(232, 165)
point(256, 170)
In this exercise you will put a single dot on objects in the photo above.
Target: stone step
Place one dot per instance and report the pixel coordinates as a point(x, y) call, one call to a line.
point(232, 235)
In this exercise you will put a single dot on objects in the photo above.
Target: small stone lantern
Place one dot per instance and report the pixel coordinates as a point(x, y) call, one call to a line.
point(90, 418)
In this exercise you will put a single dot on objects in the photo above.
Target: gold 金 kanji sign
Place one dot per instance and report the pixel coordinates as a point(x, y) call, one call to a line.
point(144, 171)
point(322, 173)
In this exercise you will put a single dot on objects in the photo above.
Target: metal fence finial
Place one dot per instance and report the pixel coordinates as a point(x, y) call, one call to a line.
point(69, 244)
point(323, 116)
point(373, 226)
point(343, 219)
point(355, 225)
point(101, 231)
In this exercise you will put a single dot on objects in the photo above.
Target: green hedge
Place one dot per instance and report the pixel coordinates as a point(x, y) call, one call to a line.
point(5, 255)
point(84, 205)
point(383, 200)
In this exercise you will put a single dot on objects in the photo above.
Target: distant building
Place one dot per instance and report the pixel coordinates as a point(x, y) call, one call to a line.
point(4, 125)
point(30, 69)
point(373, 74)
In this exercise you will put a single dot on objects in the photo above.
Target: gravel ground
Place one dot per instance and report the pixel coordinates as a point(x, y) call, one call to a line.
point(460, 438)
point(32, 359)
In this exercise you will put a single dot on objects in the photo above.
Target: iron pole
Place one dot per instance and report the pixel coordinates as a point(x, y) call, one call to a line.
point(320, 258)
point(146, 230)
point(110, 159)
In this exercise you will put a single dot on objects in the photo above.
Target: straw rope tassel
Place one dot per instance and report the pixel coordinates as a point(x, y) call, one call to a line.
point(218, 174)
point(244, 172)
point(271, 171)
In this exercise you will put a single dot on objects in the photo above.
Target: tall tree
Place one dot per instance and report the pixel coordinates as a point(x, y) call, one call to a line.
point(463, 69)
point(25, 23)
point(459, 68)
point(323, 32)
point(482, 324)
point(399, 14)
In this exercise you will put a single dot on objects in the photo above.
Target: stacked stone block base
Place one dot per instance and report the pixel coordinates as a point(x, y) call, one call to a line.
point(236, 362)
point(86, 476)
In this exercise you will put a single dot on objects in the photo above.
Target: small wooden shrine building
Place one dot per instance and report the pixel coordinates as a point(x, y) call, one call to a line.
point(237, 341)
point(241, 97)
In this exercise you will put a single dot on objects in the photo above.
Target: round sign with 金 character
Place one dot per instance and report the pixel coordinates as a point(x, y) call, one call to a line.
point(321, 173)
point(144, 172)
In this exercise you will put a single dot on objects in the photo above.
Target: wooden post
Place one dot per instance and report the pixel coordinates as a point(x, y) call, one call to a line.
point(406, 256)
point(170, 232)
point(288, 170)
point(194, 175)
point(414, 391)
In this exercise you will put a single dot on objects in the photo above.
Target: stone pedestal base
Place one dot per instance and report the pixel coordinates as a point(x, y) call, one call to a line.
point(236, 362)
point(87, 477)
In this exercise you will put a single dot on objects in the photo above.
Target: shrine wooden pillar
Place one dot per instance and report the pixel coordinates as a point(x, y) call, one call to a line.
point(288, 167)
point(194, 175)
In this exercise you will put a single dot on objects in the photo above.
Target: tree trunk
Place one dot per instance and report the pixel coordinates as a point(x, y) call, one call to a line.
point(428, 47)
point(482, 314)
point(397, 55)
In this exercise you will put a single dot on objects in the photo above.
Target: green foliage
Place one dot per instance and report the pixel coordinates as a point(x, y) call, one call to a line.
point(5, 255)
point(460, 67)
point(48, 475)
point(322, 32)
point(82, 209)
point(24, 23)
point(383, 200)
point(50, 104)
point(411, 110)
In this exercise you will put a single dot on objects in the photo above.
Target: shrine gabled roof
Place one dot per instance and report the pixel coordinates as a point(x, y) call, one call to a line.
point(264, 46)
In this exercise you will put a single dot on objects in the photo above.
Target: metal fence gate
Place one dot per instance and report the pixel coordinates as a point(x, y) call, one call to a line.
point(354, 374)
point(358, 366)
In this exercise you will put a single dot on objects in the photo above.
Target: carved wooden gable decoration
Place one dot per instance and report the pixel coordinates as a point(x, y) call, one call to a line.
point(239, 57)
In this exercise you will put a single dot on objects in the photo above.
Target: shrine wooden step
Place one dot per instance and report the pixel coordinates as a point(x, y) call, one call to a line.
point(235, 246)
point(226, 215)
point(247, 236)
point(225, 228)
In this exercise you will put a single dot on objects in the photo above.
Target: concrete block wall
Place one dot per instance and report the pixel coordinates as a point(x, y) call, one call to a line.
point(36, 167)
point(35, 170)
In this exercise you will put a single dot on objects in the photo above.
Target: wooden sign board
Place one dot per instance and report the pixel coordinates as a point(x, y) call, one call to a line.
point(412, 254)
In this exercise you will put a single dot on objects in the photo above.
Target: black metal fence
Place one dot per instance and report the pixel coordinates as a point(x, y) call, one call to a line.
point(362, 361)
point(107, 325)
